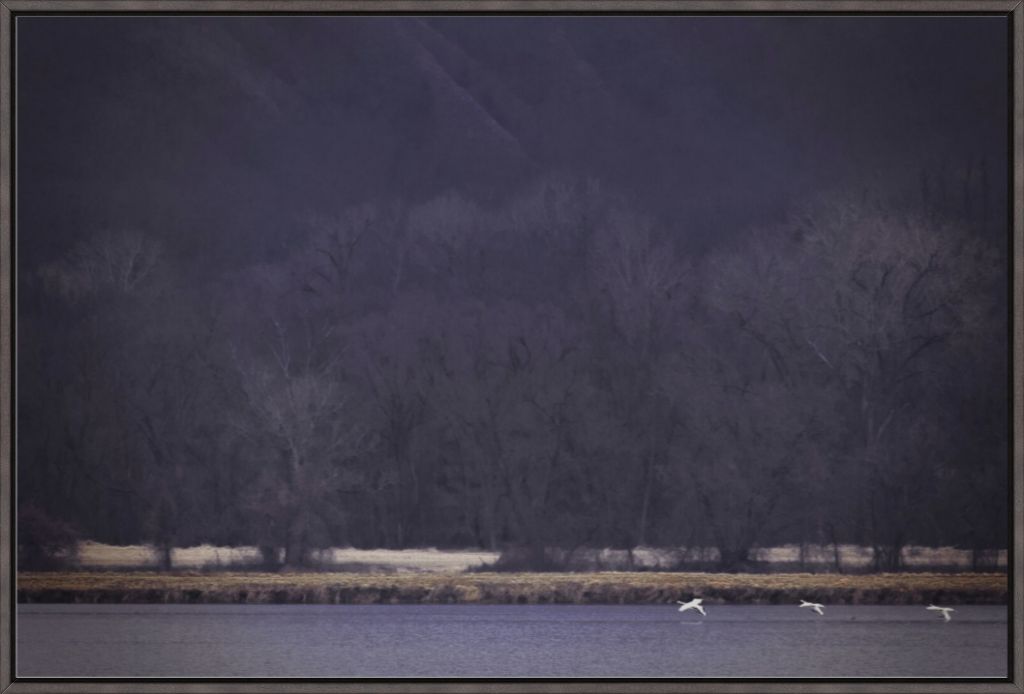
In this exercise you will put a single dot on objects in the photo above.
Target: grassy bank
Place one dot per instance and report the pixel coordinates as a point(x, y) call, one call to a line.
point(522, 588)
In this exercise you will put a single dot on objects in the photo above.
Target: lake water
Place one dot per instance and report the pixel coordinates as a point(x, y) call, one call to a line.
point(507, 641)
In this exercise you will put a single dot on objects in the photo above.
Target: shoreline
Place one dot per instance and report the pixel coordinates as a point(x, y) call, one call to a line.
point(508, 588)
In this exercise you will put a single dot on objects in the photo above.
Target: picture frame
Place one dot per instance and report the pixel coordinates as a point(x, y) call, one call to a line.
point(11, 10)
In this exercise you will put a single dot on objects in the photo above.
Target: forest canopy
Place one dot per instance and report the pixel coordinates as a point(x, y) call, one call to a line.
point(552, 372)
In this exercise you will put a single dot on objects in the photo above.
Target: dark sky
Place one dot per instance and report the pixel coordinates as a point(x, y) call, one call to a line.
point(223, 135)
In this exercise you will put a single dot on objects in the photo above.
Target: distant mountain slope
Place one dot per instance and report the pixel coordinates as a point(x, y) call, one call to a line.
point(224, 134)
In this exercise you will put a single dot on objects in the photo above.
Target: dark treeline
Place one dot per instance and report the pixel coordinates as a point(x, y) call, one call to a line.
point(554, 371)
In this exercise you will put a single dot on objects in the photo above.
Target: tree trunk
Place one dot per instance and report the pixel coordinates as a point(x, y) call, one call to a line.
point(732, 558)
point(268, 553)
point(645, 502)
point(295, 546)
point(164, 551)
point(835, 548)
point(888, 556)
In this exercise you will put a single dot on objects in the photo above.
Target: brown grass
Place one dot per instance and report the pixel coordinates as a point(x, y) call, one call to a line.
point(95, 555)
point(604, 587)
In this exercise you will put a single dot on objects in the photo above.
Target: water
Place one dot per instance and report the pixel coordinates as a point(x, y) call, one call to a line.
point(507, 641)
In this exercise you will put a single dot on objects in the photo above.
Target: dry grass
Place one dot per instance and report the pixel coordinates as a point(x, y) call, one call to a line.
point(604, 587)
point(96, 555)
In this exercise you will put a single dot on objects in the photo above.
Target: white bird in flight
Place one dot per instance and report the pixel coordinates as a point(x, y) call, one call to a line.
point(817, 607)
point(692, 605)
point(944, 610)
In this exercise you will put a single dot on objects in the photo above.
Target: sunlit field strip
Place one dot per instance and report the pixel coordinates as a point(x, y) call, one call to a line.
point(527, 588)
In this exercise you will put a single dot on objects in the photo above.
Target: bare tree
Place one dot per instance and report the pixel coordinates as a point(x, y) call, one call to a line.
point(638, 312)
point(295, 405)
point(744, 440)
point(121, 262)
point(890, 303)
